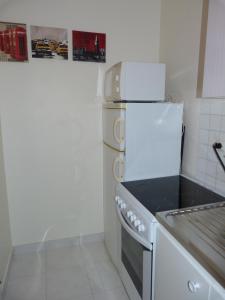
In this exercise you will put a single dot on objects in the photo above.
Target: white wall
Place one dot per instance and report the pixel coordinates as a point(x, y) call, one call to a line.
point(51, 115)
point(204, 119)
point(5, 236)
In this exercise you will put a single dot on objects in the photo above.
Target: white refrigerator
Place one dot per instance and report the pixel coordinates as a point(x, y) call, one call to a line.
point(141, 141)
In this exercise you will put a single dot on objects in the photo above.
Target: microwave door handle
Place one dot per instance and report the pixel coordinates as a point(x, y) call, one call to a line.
point(132, 233)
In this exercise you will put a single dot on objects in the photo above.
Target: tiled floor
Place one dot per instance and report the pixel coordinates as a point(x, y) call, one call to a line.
point(65, 273)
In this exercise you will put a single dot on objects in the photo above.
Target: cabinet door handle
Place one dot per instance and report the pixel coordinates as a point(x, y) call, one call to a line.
point(193, 286)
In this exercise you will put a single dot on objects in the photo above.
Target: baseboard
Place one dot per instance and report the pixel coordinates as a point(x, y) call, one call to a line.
point(5, 277)
point(91, 238)
point(71, 241)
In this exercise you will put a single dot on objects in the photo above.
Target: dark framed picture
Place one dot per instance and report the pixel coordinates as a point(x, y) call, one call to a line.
point(13, 42)
point(49, 42)
point(89, 46)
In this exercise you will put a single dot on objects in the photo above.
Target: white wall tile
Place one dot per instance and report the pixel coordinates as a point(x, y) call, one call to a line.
point(201, 177)
point(217, 107)
point(212, 129)
point(211, 168)
point(204, 136)
point(222, 128)
point(204, 122)
point(220, 174)
point(211, 154)
point(210, 182)
point(203, 151)
point(220, 186)
point(222, 137)
point(215, 122)
point(214, 136)
point(205, 108)
point(202, 163)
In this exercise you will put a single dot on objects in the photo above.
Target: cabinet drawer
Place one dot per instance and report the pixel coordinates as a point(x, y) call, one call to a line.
point(211, 75)
point(176, 277)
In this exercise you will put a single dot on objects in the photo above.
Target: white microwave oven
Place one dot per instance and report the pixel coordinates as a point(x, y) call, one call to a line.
point(135, 81)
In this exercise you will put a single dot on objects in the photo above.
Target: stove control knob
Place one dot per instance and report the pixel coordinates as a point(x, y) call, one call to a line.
point(133, 218)
point(123, 205)
point(137, 223)
point(119, 202)
point(117, 199)
point(141, 228)
point(129, 213)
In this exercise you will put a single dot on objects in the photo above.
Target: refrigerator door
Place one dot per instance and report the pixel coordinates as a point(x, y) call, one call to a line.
point(114, 127)
point(112, 173)
point(153, 140)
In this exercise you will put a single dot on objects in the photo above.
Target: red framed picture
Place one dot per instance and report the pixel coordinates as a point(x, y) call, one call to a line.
point(89, 46)
point(13, 42)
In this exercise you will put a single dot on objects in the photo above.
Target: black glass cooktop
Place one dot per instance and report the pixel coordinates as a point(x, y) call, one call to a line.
point(168, 193)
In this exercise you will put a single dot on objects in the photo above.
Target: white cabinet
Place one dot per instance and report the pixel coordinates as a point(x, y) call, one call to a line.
point(211, 75)
point(215, 295)
point(177, 275)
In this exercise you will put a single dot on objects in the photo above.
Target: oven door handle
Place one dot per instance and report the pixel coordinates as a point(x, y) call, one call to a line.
point(132, 233)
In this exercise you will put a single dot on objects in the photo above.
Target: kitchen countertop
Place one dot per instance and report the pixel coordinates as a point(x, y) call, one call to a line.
point(201, 230)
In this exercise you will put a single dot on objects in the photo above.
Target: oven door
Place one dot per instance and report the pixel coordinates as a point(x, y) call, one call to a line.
point(136, 262)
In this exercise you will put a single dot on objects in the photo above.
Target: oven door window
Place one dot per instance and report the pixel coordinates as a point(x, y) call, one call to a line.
point(132, 254)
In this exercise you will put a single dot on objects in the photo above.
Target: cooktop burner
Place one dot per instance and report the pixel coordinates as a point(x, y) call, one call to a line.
point(168, 193)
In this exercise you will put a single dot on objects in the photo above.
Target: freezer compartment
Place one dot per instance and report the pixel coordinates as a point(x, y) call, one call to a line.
point(114, 127)
point(114, 164)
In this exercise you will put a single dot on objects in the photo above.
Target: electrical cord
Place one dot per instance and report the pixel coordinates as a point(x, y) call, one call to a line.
point(216, 147)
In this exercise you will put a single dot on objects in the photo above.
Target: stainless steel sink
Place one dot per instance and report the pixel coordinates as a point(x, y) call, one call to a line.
point(201, 230)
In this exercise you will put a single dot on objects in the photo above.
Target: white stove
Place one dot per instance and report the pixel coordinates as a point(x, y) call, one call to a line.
point(136, 236)
point(137, 203)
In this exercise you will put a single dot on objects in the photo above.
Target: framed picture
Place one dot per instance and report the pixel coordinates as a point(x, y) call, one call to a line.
point(49, 42)
point(13, 42)
point(89, 46)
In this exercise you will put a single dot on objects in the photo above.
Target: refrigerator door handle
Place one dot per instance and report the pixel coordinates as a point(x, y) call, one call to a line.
point(117, 122)
point(118, 169)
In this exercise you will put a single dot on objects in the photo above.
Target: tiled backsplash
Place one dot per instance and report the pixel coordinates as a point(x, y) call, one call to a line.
point(211, 130)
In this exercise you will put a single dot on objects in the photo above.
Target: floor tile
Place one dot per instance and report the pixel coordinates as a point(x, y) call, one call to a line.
point(26, 288)
point(71, 283)
point(94, 252)
point(95, 280)
point(27, 264)
point(63, 257)
point(109, 275)
point(116, 294)
point(103, 276)
point(65, 273)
